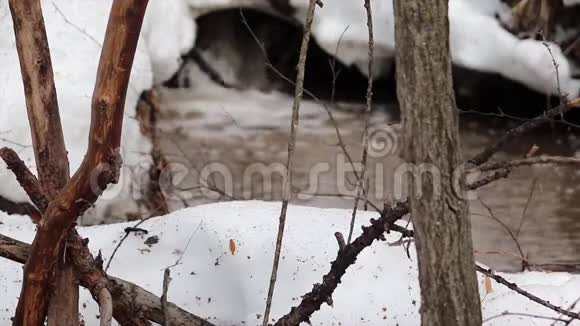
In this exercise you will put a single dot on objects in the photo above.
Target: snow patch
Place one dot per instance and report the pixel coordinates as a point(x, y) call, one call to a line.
point(230, 289)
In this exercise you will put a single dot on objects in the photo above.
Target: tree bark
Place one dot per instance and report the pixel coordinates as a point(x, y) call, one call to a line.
point(41, 102)
point(449, 292)
point(100, 166)
point(47, 137)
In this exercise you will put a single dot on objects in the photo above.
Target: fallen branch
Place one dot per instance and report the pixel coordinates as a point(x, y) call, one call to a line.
point(322, 293)
point(516, 288)
point(90, 274)
point(128, 297)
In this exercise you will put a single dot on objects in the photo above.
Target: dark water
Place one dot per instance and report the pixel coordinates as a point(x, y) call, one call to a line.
point(229, 145)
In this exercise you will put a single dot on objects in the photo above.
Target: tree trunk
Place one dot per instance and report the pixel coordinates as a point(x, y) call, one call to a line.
point(47, 138)
point(100, 166)
point(449, 292)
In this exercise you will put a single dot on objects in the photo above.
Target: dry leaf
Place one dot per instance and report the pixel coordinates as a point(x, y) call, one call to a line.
point(232, 246)
point(488, 288)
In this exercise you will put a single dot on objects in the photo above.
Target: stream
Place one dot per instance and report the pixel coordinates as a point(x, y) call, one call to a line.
point(224, 144)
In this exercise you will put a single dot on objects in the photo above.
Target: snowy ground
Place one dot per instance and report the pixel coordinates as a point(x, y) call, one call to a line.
point(229, 287)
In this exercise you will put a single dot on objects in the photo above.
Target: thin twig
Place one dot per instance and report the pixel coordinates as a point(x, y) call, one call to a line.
point(360, 188)
point(287, 193)
point(525, 210)
point(521, 314)
point(509, 232)
point(326, 108)
point(123, 240)
point(570, 307)
point(527, 126)
point(80, 30)
point(561, 160)
point(516, 288)
point(333, 70)
point(556, 66)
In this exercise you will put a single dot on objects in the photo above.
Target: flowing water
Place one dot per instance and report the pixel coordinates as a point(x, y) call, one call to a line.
point(231, 145)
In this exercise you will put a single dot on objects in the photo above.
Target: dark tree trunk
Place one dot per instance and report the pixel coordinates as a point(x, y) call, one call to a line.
point(449, 292)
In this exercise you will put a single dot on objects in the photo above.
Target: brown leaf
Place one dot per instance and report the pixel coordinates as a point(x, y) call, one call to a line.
point(488, 288)
point(232, 246)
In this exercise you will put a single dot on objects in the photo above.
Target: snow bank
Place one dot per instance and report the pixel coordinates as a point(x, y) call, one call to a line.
point(477, 41)
point(570, 3)
point(170, 31)
point(230, 288)
point(75, 33)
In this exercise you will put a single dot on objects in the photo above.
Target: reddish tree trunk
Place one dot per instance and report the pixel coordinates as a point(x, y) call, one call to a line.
point(100, 166)
point(47, 138)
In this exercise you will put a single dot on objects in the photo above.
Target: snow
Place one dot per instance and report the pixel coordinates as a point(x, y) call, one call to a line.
point(570, 3)
point(230, 289)
point(75, 33)
point(167, 39)
point(477, 40)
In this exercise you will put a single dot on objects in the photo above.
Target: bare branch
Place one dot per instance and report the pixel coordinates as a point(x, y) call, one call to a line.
point(12, 208)
point(322, 293)
point(525, 210)
point(500, 174)
point(509, 232)
point(369, 97)
point(514, 287)
point(287, 193)
point(527, 126)
point(530, 161)
point(41, 100)
point(26, 179)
